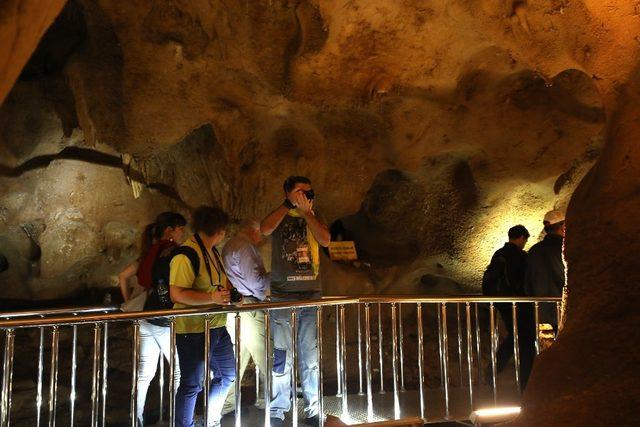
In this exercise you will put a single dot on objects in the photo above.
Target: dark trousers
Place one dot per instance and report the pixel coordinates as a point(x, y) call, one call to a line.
point(221, 365)
point(505, 350)
point(526, 339)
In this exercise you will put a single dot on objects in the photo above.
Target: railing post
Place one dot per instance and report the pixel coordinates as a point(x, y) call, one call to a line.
point(294, 367)
point(267, 365)
point(469, 354)
point(53, 381)
point(40, 377)
point(257, 371)
point(338, 358)
point(494, 372)
point(380, 347)
point(459, 332)
point(516, 344)
point(172, 372)
point(445, 345)
point(105, 367)
point(558, 317)
point(401, 346)
point(343, 356)
point(238, 381)
point(367, 350)
point(479, 356)
point(134, 373)
point(360, 377)
point(440, 346)
point(7, 378)
point(394, 360)
point(320, 384)
point(74, 367)
point(95, 378)
point(421, 360)
point(207, 371)
point(537, 321)
point(161, 387)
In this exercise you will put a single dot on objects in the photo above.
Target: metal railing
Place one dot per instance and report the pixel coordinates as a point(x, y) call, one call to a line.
point(467, 331)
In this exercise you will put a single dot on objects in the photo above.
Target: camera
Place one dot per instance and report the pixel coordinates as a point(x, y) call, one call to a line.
point(310, 194)
point(236, 296)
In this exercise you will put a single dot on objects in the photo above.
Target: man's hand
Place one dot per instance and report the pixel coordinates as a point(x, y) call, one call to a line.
point(220, 297)
point(303, 205)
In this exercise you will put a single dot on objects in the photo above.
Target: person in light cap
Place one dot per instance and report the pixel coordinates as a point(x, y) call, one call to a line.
point(554, 218)
point(545, 272)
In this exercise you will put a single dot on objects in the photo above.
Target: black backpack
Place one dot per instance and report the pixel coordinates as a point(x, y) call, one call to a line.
point(494, 280)
point(159, 297)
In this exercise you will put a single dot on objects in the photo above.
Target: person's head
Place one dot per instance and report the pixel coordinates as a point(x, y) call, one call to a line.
point(250, 227)
point(519, 235)
point(210, 223)
point(297, 184)
point(554, 223)
point(167, 226)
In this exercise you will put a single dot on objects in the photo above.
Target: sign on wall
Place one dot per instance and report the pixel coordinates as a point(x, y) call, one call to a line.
point(343, 251)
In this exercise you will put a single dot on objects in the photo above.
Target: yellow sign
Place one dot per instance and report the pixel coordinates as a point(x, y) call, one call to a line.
point(342, 251)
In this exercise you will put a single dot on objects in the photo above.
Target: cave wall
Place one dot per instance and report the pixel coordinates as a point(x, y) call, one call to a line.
point(427, 155)
point(427, 127)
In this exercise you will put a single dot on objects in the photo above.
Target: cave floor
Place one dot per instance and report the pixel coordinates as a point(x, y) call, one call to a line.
point(409, 402)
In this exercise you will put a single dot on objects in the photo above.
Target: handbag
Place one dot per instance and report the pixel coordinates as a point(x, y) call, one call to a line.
point(136, 303)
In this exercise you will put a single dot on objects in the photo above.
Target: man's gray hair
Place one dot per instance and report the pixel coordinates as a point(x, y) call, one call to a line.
point(249, 223)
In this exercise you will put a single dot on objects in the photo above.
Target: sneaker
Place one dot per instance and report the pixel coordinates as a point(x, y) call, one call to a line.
point(276, 422)
point(312, 421)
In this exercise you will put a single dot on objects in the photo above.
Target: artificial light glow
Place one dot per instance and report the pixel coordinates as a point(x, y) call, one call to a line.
point(494, 415)
point(491, 412)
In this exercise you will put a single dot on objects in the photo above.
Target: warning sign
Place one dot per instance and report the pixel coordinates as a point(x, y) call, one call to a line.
point(343, 251)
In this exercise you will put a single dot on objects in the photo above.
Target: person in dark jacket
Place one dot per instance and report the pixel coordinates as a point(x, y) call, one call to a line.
point(505, 277)
point(545, 274)
point(510, 260)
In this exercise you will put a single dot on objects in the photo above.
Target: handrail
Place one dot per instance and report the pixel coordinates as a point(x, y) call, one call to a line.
point(326, 301)
point(56, 311)
point(451, 310)
point(454, 299)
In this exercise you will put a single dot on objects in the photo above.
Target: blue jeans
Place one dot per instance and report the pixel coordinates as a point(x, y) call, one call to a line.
point(307, 347)
point(191, 358)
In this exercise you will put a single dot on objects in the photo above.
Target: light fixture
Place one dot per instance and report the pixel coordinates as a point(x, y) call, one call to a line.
point(494, 415)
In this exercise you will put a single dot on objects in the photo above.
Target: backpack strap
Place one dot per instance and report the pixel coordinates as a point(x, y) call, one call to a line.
point(191, 254)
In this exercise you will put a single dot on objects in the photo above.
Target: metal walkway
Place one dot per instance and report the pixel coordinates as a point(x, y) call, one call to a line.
point(383, 406)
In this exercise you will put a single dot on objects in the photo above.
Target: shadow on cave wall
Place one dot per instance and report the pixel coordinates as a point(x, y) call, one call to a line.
point(405, 216)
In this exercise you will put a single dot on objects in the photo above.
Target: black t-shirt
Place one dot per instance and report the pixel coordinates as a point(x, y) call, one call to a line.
point(295, 258)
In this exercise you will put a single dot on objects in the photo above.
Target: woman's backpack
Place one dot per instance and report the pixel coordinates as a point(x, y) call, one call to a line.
point(159, 297)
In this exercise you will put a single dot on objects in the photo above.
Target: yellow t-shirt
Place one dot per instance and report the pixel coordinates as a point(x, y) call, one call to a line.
point(182, 275)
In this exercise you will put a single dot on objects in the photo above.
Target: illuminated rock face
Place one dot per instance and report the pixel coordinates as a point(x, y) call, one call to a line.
point(426, 153)
point(428, 128)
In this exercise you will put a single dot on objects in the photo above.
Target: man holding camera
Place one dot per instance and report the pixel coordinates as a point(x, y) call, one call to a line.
point(297, 233)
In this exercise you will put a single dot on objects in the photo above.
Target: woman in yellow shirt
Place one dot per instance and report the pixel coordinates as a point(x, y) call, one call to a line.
point(206, 287)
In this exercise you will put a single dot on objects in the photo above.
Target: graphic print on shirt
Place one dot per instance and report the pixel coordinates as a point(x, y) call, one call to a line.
point(296, 251)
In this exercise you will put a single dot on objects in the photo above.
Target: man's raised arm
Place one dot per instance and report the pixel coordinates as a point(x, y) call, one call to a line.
point(273, 220)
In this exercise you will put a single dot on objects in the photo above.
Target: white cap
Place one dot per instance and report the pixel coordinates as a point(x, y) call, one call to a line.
point(553, 217)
